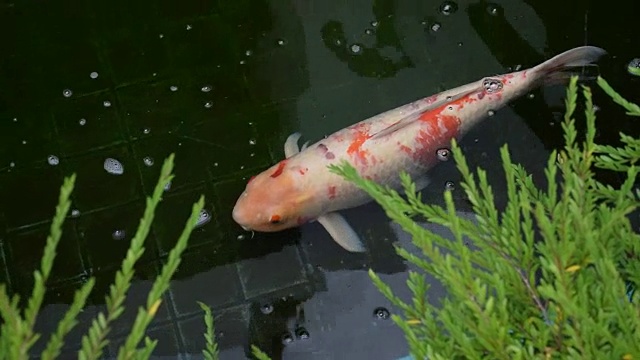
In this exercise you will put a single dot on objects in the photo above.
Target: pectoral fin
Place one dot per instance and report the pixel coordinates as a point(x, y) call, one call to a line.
point(341, 232)
point(422, 182)
point(291, 145)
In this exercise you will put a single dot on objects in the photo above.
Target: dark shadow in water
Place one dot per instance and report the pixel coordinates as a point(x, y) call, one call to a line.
point(365, 61)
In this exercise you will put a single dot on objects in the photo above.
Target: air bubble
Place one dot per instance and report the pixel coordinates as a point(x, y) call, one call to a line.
point(381, 313)
point(106, 103)
point(113, 166)
point(356, 49)
point(173, 88)
point(161, 36)
point(448, 8)
point(206, 88)
point(82, 122)
point(75, 213)
point(435, 27)
point(208, 104)
point(634, 67)
point(374, 24)
point(118, 235)
point(443, 154)
point(493, 9)
point(368, 31)
point(449, 185)
point(93, 75)
point(281, 42)
point(241, 237)
point(491, 112)
point(203, 218)
point(167, 187)
point(531, 96)
point(302, 333)
point(266, 308)
point(53, 160)
point(67, 93)
point(148, 161)
point(189, 27)
point(252, 141)
point(146, 131)
point(287, 338)
point(248, 53)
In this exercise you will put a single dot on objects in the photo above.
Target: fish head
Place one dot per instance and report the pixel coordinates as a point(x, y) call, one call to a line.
point(273, 200)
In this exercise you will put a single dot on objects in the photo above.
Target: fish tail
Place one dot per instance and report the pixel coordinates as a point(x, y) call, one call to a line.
point(565, 65)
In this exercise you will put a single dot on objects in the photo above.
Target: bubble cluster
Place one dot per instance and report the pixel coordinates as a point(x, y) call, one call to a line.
point(492, 85)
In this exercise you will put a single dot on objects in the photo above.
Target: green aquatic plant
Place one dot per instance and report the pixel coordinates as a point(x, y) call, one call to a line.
point(17, 336)
point(547, 276)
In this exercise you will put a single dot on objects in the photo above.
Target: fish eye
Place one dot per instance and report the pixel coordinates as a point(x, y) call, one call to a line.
point(275, 219)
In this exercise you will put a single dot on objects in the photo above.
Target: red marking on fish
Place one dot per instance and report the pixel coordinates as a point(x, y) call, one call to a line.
point(355, 148)
point(405, 148)
point(251, 179)
point(303, 219)
point(480, 95)
point(303, 171)
point(275, 218)
point(331, 191)
point(279, 170)
point(329, 156)
point(431, 99)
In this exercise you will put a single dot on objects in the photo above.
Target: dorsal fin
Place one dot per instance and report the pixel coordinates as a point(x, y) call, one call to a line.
point(410, 118)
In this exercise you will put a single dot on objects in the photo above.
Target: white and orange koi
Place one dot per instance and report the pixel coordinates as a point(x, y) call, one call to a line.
point(301, 189)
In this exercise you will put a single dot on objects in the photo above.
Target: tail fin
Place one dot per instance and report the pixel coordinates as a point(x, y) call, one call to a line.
point(559, 68)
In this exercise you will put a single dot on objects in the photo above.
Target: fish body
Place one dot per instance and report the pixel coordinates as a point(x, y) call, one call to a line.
point(301, 189)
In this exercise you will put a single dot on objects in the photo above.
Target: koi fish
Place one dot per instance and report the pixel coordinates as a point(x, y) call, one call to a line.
point(301, 189)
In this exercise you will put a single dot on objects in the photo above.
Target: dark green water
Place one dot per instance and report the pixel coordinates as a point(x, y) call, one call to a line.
point(222, 84)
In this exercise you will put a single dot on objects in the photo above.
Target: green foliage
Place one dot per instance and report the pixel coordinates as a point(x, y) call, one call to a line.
point(17, 335)
point(546, 276)
point(211, 351)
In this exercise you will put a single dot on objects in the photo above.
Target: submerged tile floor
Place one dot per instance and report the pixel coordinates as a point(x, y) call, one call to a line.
point(222, 84)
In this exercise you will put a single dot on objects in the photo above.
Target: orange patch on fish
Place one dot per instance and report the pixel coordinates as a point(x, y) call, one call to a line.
point(279, 170)
point(355, 148)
